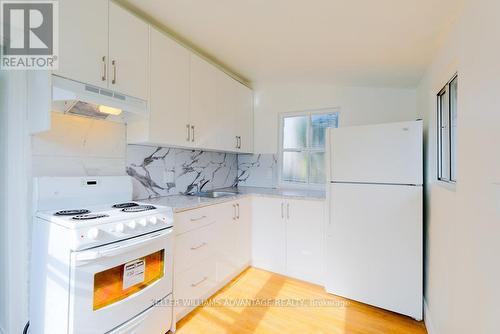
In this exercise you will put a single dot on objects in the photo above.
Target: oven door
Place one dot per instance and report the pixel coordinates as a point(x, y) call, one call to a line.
point(112, 284)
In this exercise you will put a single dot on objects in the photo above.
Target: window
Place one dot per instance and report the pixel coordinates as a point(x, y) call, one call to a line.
point(303, 146)
point(447, 131)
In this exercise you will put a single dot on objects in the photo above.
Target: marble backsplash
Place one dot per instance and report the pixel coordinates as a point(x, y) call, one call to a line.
point(78, 146)
point(160, 171)
point(258, 170)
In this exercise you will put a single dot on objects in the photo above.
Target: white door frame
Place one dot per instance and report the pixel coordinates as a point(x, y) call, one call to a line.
point(15, 200)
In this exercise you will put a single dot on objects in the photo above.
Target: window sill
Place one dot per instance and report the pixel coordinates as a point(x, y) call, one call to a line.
point(451, 186)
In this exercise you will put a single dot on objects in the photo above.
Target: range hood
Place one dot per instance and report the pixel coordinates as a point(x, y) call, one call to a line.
point(77, 98)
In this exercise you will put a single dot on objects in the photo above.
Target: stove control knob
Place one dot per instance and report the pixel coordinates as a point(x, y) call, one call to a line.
point(132, 225)
point(153, 220)
point(93, 233)
point(143, 222)
point(119, 227)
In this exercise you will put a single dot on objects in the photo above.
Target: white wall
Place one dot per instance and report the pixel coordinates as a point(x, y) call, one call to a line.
point(359, 105)
point(3, 193)
point(79, 146)
point(463, 224)
point(15, 199)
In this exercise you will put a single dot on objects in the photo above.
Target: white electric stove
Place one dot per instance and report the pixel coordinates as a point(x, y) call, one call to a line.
point(101, 263)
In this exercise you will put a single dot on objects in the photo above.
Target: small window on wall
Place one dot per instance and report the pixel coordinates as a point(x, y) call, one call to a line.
point(302, 146)
point(447, 131)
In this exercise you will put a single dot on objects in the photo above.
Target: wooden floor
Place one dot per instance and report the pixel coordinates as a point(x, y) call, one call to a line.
point(263, 288)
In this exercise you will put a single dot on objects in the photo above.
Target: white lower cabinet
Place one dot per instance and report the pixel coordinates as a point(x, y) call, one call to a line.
point(288, 237)
point(212, 246)
point(216, 243)
point(305, 240)
point(269, 234)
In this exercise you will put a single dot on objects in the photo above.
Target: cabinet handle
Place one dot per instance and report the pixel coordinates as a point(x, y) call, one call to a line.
point(113, 62)
point(194, 285)
point(282, 214)
point(104, 68)
point(288, 211)
point(188, 134)
point(199, 246)
point(198, 219)
point(238, 214)
point(192, 137)
point(234, 211)
point(237, 142)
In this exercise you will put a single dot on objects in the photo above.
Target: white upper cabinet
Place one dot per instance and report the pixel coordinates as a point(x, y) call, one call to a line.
point(227, 105)
point(128, 52)
point(244, 118)
point(203, 104)
point(169, 91)
point(235, 110)
point(83, 41)
point(191, 102)
point(104, 45)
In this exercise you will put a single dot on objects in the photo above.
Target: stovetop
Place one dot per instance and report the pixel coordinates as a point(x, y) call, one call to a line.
point(94, 215)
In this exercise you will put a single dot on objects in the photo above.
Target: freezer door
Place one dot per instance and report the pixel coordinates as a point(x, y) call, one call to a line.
point(374, 246)
point(385, 153)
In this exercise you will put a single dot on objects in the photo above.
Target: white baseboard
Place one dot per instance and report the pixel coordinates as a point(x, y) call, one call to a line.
point(428, 320)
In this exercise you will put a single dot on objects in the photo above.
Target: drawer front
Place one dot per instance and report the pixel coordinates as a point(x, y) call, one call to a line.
point(193, 219)
point(193, 247)
point(194, 284)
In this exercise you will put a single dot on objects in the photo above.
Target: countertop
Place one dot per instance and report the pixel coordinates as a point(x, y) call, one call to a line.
point(181, 203)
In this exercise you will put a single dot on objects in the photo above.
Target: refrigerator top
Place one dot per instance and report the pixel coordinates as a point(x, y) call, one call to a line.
point(377, 154)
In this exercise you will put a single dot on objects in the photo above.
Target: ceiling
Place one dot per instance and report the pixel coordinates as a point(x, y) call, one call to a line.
point(344, 42)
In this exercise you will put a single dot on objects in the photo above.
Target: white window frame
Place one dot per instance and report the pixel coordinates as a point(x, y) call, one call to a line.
point(282, 116)
point(452, 167)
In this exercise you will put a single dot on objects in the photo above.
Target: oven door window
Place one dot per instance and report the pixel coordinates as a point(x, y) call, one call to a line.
point(120, 282)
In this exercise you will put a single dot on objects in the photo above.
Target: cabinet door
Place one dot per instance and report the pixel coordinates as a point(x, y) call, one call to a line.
point(128, 52)
point(243, 233)
point(83, 41)
point(169, 91)
point(305, 240)
point(244, 117)
point(226, 216)
point(227, 106)
point(203, 105)
point(268, 234)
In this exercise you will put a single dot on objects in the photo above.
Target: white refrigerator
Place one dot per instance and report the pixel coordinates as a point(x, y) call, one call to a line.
point(374, 243)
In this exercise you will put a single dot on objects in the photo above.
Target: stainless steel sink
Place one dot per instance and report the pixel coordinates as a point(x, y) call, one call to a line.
point(215, 194)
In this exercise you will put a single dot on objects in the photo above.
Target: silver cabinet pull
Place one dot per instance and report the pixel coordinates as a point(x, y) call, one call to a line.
point(104, 68)
point(237, 142)
point(282, 214)
point(288, 211)
point(199, 246)
point(188, 134)
point(194, 285)
point(192, 136)
point(238, 211)
point(198, 219)
point(234, 211)
point(113, 62)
